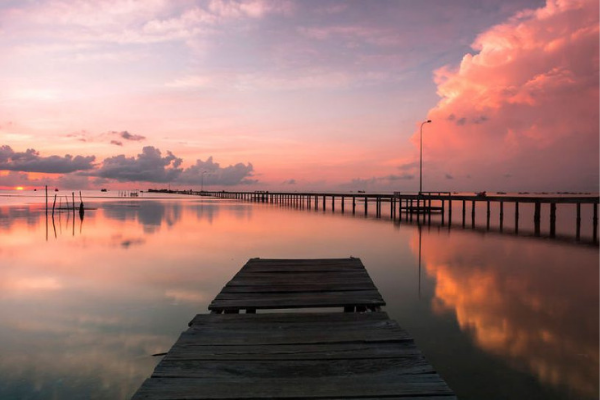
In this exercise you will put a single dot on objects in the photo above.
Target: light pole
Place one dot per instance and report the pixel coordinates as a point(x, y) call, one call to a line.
point(421, 158)
point(202, 182)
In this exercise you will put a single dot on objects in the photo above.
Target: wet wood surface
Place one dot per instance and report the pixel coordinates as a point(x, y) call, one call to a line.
point(285, 283)
point(295, 355)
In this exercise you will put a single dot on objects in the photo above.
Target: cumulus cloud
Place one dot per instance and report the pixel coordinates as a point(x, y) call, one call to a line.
point(211, 173)
point(31, 161)
point(526, 102)
point(149, 166)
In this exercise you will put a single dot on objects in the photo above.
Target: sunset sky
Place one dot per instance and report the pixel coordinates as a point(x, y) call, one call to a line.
point(300, 95)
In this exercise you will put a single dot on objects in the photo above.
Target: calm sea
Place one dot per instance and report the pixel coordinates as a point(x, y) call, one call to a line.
point(85, 303)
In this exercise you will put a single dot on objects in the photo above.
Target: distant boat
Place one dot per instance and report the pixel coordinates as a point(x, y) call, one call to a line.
point(103, 190)
point(56, 189)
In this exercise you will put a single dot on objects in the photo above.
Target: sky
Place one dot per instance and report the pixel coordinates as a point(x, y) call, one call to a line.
point(300, 95)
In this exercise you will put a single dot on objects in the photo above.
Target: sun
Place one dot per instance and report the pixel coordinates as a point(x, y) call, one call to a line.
point(19, 188)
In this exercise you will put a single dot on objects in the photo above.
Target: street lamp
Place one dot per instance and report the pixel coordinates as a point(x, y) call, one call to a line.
point(202, 182)
point(421, 158)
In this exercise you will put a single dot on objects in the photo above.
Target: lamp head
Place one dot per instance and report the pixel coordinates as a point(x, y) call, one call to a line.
point(428, 121)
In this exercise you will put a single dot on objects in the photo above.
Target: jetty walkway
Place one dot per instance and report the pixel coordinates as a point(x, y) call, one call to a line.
point(358, 354)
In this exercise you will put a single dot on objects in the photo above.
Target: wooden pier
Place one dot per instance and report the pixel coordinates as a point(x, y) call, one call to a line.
point(420, 207)
point(295, 355)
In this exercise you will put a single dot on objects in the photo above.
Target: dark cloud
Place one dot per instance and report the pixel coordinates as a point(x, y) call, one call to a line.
point(289, 182)
point(461, 121)
point(451, 117)
point(211, 173)
point(128, 136)
point(408, 166)
point(31, 161)
point(480, 120)
point(149, 166)
point(116, 142)
point(448, 176)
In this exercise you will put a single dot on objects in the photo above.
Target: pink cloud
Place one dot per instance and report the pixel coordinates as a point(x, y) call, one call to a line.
point(526, 104)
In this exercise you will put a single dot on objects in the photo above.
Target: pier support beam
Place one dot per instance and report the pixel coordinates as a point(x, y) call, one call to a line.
point(537, 217)
point(552, 219)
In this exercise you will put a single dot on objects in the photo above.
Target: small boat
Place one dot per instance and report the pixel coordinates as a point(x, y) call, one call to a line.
point(56, 189)
point(482, 194)
point(103, 190)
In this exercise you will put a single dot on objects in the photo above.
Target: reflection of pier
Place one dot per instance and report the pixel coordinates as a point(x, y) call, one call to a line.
point(445, 204)
point(295, 355)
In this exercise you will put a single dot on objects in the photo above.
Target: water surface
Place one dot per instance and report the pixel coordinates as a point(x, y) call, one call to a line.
point(85, 304)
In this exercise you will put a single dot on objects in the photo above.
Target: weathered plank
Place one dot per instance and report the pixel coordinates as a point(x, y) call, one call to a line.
point(293, 387)
point(257, 369)
point(292, 287)
point(299, 299)
point(333, 351)
point(321, 301)
point(289, 318)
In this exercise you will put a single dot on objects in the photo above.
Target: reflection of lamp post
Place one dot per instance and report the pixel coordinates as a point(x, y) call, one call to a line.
point(202, 182)
point(421, 158)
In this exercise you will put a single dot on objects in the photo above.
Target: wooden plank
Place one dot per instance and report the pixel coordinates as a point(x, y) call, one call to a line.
point(300, 296)
point(309, 276)
point(299, 280)
point(313, 287)
point(325, 301)
point(257, 369)
point(215, 336)
point(333, 351)
point(293, 387)
point(289, 318)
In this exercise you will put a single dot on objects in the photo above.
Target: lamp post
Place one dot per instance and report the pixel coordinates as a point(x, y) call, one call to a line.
point(202, 182)
point(421, 158)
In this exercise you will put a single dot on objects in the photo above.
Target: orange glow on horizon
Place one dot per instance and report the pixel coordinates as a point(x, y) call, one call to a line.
point(19, 188)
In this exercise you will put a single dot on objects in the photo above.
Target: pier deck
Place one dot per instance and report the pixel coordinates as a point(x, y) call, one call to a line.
point(302, 355)
point(280, 284)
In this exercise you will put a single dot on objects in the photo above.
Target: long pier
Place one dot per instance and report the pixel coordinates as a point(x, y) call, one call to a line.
point(421, 207)
point(356, 354)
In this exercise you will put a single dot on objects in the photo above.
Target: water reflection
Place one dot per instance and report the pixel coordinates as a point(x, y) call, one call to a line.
point(535, 306)
point(83, 313)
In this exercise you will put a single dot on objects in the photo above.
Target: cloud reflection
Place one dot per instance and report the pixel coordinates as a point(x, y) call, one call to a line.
point(533, 304)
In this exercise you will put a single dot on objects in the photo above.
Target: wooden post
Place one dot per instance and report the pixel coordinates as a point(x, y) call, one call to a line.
point(517, 217)
point(392, 207)
point(501, 215)
point(333, 203)
point(578, 222)
point(443, 211)
point(353, 204)
point(450, 211)
point(410, 210)
point(429, 212)
point(488, 215)
point(552, 219)
point(343, 201)
point(324, 204)
point(595, 223)
point(464, 212)
point(366, 206)
point(537, 217)
point(473, 214)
